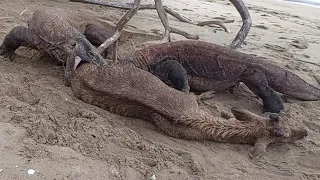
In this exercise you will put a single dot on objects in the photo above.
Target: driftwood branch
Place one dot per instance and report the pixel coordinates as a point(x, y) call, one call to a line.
point(25, 8)
point(312, 63)
point(119, 29)
point(183, 33)
point(176, 15)
point(128, 6)
point(219, 23)
point(246, 23)
point(164, 19)
point(6, 17)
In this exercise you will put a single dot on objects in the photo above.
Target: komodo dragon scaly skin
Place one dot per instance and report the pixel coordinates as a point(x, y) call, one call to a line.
point(212, 67)
point(60, 33)
point(139, 94)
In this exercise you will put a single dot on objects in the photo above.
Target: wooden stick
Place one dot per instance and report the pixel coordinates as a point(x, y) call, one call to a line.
point(151, 6)
point(245, 28)
point(120, 27)
point(164, 19)
point(25, 8)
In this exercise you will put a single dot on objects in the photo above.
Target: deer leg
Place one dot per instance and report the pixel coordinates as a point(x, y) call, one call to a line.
point(163, 17)
point(178, 130)
point(18, 36)
point(243, 32)
point(123, 21)
point(173, 71)
point(256, 81)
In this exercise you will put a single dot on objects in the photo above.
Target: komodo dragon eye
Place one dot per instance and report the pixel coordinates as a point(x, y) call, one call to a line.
point(73, 44)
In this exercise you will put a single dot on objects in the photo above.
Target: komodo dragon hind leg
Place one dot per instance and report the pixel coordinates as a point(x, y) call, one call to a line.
point(173, 71)
point(256, 81)
point(96, 36)
point(18, 36)
point(245, 16)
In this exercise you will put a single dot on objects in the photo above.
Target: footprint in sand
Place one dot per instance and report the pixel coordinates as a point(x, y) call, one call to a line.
point(300, 44)
point(310, 161)
point(275, 47)
point(261, 26)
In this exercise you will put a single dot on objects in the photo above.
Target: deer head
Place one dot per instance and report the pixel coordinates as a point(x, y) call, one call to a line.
point(271, 130)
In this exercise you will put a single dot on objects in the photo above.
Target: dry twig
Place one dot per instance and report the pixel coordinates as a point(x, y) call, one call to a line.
point(312, 63)
point(167, 10)
point(25, 8)
point(164, 19)
point(119, 29)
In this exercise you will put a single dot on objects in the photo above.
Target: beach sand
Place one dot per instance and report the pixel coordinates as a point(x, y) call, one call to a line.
point(45, 128)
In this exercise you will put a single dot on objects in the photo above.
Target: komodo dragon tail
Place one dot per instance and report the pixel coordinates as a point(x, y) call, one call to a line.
point(290, 84)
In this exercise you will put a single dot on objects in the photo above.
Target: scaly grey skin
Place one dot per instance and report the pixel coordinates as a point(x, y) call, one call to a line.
point(173, 72)
point(214, 67)
point(60, 34)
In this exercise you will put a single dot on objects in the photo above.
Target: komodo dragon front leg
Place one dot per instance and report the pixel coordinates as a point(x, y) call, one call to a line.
point(24, 36)
point(174, 74)
point(18, 36)
point(256, 80)
point(172, 71)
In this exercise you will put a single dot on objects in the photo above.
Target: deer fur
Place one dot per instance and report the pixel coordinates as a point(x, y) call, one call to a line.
point(133, 92)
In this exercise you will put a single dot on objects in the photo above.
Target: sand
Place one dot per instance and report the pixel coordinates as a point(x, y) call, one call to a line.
point(45, 128)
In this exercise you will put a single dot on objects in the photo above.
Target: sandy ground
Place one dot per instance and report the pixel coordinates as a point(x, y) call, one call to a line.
point(45, 128)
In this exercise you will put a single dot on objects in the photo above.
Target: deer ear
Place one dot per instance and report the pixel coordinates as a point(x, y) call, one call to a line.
point(244, 115)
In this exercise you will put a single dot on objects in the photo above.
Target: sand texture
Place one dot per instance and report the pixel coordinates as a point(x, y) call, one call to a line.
point(45, 128)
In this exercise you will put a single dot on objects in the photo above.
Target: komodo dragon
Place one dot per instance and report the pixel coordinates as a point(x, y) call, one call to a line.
point(62, 34)
point(139, 94)
point(212, 67)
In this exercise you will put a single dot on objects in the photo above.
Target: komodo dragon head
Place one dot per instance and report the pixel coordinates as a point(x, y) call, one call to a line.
point(85, 51)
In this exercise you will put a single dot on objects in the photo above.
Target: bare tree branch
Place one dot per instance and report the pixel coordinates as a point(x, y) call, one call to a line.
point(239, 5)
point(119, 29)
point(25, 8)
point(246, 25)
point(150, 6)
point(183, 33)
point(164, 19)
point(219, 23)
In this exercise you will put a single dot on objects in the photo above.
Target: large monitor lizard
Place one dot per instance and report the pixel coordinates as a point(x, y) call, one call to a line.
point(206, 66)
